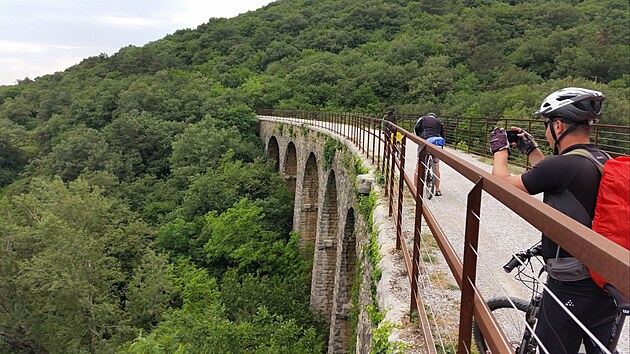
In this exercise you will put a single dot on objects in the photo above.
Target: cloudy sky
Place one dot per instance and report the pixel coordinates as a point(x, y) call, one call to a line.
point(39, 37)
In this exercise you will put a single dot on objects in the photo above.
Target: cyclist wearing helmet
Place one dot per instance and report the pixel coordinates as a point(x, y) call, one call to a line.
point(570, 183)
point(391, 117)
point(429, 127)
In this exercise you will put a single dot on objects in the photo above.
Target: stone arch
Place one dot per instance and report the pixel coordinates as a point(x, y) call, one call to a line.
point(340, 322)
point(290, 166)
point(310, 198)
point(273, 151)
point(325, 260)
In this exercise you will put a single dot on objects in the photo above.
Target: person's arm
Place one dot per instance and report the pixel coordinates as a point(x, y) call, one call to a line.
point(535, 156)
point(500, 169)
point(418, 128)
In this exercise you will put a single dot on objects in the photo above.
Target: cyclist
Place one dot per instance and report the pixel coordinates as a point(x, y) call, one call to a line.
point(393, 118)
point(570, 184)
point(430, 128)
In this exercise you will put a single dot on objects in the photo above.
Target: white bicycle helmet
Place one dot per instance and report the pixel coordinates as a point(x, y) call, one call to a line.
point(573, 104)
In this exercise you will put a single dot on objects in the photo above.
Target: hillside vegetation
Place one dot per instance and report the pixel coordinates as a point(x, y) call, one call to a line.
point(137, 212)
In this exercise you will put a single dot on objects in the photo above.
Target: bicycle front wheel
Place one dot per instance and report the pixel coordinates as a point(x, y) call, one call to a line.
point(511, 318)
point(429, 177)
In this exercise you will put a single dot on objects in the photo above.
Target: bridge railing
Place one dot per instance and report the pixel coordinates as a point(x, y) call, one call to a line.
point(472, 134)
point(598, 253)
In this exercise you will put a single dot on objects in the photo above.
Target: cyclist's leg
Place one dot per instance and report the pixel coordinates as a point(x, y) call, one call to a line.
point(599, 317)
point(429, 179)
point(555, 328)
point(437, 176)
point(557, 331)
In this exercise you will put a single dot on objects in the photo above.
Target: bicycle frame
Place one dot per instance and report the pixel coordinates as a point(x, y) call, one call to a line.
point(529, 343)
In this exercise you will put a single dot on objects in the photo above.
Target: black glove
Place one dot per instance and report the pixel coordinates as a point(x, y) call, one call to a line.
point(526, 143)
point(498, 140)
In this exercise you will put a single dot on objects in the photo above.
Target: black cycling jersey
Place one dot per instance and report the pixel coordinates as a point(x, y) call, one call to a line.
point(429, 126)
point(570, 184)
point(391, 117)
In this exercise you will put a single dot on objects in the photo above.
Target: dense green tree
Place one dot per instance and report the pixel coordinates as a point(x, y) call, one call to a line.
point(143, 141)
point(201, 146)
point(150, 291)
point(64, 266)
point(13, 151)
point(79, 150)
point(192, 333)
point(237, 239)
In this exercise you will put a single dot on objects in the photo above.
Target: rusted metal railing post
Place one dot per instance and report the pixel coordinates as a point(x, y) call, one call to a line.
point(417, 305)
point(469, 135)
point(349, 126)
point(361, 135)
point(471, 240)
point(392, 157)
point(386, 158)
point(456, 142)
point(417, 228)
point(401, 187)
point(373, 134)
point(356, 129)
point(485, 138)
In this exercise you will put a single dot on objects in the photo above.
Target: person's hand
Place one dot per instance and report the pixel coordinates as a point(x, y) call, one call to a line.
point(498, 140)
point(526, 143)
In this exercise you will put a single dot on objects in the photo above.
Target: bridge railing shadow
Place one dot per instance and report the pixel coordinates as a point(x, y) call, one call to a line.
point(372, 137)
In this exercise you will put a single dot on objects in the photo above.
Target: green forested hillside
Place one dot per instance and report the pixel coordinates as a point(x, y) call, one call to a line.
point(137, 211)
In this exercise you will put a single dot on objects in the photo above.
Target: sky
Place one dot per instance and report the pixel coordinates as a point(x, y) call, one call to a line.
point(39, 37)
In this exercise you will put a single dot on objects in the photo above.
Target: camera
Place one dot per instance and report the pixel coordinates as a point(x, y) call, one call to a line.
point(512, 136)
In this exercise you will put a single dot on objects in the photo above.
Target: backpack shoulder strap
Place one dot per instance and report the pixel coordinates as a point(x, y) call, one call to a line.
point(586, 154)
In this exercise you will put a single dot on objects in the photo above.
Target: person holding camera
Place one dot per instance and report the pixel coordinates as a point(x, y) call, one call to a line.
point(570, 183)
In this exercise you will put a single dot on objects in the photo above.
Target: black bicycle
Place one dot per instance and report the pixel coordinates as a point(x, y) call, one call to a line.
point(429, 176)
point(510, 311)
point(429, 168)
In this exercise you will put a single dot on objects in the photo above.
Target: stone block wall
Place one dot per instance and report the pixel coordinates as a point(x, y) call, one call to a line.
point(325, 216)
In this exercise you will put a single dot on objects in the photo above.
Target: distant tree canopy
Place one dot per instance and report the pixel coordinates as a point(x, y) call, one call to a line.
point(135, 204)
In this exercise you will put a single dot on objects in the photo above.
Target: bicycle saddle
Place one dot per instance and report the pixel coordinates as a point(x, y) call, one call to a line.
point(437, 140)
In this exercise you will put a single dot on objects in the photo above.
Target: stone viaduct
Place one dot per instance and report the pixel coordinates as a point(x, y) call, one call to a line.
point(321, 173)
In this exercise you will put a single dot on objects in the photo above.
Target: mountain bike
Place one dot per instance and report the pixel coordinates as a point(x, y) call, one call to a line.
point(517, 317)
point(429, 168)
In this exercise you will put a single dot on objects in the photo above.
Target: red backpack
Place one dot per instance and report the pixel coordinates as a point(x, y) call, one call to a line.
point(612, 211)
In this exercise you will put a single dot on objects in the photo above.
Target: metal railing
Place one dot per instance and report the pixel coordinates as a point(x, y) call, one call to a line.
point(598, 253)
point(472, 134)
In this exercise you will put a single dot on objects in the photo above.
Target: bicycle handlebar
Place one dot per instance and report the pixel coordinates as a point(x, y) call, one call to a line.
point(522, 257)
